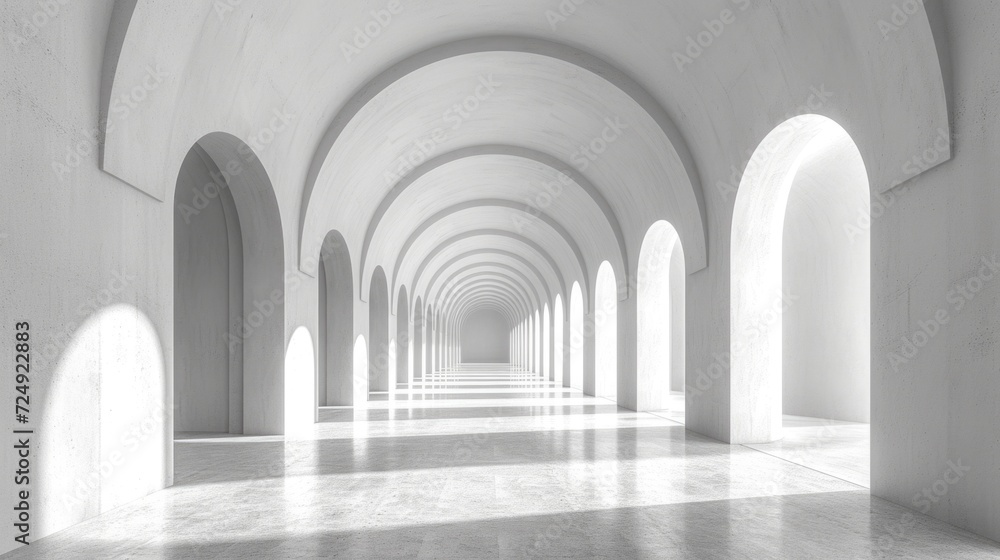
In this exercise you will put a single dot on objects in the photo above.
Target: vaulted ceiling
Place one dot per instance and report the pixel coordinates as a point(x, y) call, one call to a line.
point(494, 152)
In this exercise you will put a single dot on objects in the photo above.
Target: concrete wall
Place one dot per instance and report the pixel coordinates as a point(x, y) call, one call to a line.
point(936, 406)
point(88, 262)
point(77, 241)
point(485, 338)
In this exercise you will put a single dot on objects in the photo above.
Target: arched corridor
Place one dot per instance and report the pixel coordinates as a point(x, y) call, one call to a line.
point(511, 279)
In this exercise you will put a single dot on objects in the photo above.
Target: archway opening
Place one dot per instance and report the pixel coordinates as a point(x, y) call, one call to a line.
point(801, 284)
point(430, 335)
point(661, 327)
point(335, 386)
point(606, 333)
point(559, 345)
point(576, 338)
point(378, 335)
point(229, 287)
point(536, 342)
point(404, 355)
point(360, 369)
point(300, 375)
point(546, 343)
point(418, 340)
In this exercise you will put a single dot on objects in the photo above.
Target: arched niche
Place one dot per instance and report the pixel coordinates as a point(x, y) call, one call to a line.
point(336, 319)
point(229, 286)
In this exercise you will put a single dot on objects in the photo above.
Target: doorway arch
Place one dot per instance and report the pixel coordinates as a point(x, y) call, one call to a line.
point(336, 317)
point(229, 286)
point(606, 333)
point(559, 337)
point(378, 333)
point(798, 274)
point(403, 352)
point(660, 333)
point(576, 338)
point(300, 373)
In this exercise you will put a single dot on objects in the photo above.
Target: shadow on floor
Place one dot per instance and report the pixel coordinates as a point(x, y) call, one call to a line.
point(382, 414)
point(826, 525)
point(226, 460)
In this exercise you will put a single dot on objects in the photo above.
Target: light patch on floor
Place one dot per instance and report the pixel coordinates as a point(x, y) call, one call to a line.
point(501, 464)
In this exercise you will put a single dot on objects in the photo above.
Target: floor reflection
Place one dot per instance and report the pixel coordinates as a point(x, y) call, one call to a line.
point(501, 464)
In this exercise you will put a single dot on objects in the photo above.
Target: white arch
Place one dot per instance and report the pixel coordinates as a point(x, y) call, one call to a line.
point(360, 372)
point(606, 332)
point(758, 297)
point(559, 337)
point(546, 342)
point(576, 338)
point(660, 316)
point(300, 387)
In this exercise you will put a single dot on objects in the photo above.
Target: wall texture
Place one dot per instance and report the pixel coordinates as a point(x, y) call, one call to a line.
point(88, 262)
point(935, 285)
point(485, 338)
point(89, 258)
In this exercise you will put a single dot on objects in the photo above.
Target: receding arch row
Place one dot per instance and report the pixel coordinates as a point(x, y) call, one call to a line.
point(483, 300)
point(496, 286)
point(470, 238)
point(501, 212)
point(461, 280)
point(557, 168)
point(478, 282)
point(440, 290)
point(476, 249)
point(493, 285)
point(514, 44)
point(462, 276)
point(479, 301)
point(556, 280)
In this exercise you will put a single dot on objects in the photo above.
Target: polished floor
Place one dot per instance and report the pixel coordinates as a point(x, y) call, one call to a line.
point(488, 463)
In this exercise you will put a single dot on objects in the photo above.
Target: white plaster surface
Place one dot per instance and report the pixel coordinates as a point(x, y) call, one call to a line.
point(70, 234)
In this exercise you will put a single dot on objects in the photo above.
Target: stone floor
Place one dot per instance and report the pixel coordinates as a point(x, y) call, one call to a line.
point(498, 464)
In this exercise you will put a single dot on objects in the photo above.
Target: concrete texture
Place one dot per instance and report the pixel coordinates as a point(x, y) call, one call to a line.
point(577, 128)
point(485, 338)
point(497, 463)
